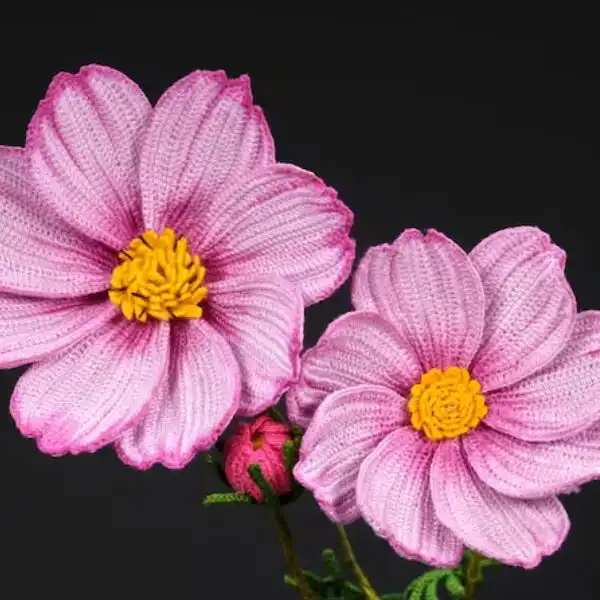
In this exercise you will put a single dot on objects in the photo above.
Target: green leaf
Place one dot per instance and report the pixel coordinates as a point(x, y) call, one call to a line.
point(317, 583)
point(398, 596)
point(454, 586)
point(331, 563)
point(329, 587)
point(351, 591)
point(229, 498)
point(257, 476)
point(290, 454)
point(431, 590)
point(425, 586)
point(419, 588)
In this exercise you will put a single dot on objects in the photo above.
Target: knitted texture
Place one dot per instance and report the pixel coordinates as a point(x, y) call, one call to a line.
point(457, 400)
point(209, 248)
point(259, 442)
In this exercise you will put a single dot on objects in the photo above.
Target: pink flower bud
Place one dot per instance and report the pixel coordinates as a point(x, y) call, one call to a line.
point(259, 442)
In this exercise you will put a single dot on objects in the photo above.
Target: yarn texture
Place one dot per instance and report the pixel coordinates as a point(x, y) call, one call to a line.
point(155, 263)
point(457, 400)
point(259, 442)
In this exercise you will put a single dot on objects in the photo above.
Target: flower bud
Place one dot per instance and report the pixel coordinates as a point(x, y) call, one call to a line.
point(258, 442)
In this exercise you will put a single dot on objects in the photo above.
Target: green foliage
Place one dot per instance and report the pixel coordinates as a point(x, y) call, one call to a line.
point(454, 580)
point(331, 563)
point(229, 498)
point(454, 586)
point(333, 585)
point(425, 587)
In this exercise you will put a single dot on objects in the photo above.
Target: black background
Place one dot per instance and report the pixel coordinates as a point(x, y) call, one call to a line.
point(462, 124)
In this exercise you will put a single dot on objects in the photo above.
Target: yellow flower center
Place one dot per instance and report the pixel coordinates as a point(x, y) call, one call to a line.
point(446, 404)
point(158, 277)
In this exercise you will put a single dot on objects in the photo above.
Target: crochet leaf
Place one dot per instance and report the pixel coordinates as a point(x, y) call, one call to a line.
point(332, 586)
point(425, 587)
point(331, 563)
point(229, 498)
point(454, 586)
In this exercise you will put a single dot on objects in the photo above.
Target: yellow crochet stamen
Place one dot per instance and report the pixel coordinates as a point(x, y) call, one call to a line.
point(446, 404)
point(158, 277)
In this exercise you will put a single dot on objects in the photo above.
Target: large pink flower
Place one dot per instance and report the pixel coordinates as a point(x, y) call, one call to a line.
point(457, 401)
point(209, 247)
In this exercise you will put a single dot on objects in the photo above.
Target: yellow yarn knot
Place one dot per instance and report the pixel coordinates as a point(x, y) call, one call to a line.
point(158, 277)
point(446, 404)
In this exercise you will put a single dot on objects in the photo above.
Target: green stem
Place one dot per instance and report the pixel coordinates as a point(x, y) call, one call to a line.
point(291, 557)
point(471, 575)
point(350, 559)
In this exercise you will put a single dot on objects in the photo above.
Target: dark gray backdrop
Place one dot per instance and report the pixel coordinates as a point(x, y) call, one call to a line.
point(465, 125)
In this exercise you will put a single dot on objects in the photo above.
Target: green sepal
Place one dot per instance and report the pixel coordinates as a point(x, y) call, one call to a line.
point(290, 454)
point(269, 495)
point(297, 433)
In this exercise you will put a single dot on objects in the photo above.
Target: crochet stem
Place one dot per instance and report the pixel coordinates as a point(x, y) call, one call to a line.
point(291, 558)
point(350, 559)
point(471, 575)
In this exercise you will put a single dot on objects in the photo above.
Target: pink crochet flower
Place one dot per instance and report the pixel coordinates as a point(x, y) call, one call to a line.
point(259, 442)
point(154, 263)
point(456, 402)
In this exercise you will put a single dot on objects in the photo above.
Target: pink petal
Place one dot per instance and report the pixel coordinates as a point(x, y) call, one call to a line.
point(87, 396)
point(560, 400)
point(39, 254)
point(347, 427)
point(262, 319)
point(204, 134)
point(428, 288)
point(359, 347)
point(194, 404)
point(394, 499)
point(530, 306)
point(83, 144)
point(276, 433)
point(514, 531)
point(533, 470)
point(33, 328)
point(281, 220)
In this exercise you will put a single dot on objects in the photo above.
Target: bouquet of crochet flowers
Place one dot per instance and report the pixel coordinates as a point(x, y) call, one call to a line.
point(155, 263)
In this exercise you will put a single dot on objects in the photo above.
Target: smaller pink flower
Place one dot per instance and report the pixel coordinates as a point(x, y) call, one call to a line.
point(457, 401)
point(258, 442)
